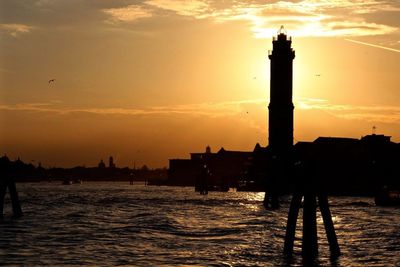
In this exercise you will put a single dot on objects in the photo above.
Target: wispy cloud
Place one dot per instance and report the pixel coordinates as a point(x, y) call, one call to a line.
point(16, 29)
point(3, 70)
point(128, 13)
point(310, 17)
point(303, 18)
point(193, 8)
point(218, 109)
point(372, 113)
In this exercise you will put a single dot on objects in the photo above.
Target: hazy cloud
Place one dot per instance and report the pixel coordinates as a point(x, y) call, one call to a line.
point(386, 114)
point(310, 17)
point(15, 29)
point(3, 70)
point(228, 108)
point(128, 13)
point(302, 18)
point(193, 8)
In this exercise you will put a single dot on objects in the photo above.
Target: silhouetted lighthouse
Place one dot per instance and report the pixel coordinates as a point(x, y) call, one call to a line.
point(281, 106)
point(280, 140)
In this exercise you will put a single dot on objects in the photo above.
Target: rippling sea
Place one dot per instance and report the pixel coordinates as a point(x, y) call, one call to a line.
point(112, 224)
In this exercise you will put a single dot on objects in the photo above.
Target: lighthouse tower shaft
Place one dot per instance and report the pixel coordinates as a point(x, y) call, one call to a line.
point(281, 104)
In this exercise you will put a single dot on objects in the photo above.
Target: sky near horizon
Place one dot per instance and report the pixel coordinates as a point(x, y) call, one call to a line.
point(150, 80)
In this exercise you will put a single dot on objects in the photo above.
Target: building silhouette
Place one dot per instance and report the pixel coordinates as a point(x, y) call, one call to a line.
point(111, 163)
point(225, 169)
point(348, 166)
point(101, 164)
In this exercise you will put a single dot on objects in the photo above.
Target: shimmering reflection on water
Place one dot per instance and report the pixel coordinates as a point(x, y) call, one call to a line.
point(118, 224)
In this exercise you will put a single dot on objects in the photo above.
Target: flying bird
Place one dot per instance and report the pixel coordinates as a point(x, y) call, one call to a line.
point(52, 80)
point(318, 75)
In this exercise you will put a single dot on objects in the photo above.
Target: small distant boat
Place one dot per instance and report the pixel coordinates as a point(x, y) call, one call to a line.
point(249, 186)
point(220, 188)
point(204, 189)
point(67, 182)
point(387, 197)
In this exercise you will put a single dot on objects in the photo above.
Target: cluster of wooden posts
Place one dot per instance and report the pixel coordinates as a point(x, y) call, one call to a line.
point(16, 207)
point(310, 237)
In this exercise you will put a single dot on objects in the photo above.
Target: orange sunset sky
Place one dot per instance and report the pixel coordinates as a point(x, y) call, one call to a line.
point(150, 80)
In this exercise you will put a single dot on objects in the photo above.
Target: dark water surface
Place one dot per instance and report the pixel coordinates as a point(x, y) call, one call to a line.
point(119, 224)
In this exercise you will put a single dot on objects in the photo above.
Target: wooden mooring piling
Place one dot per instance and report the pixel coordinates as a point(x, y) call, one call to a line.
point(16, 206)
point(310, 237)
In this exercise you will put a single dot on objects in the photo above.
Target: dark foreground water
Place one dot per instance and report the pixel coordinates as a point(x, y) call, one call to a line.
point(119, 224)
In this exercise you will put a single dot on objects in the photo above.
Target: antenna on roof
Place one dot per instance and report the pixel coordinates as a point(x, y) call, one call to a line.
point(373, 129)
